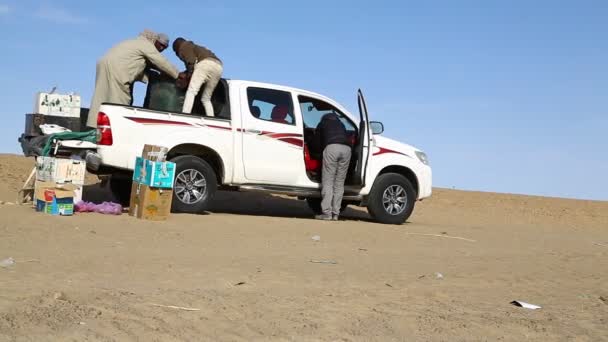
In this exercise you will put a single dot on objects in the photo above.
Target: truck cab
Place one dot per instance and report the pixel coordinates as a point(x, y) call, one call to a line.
point(261, 138)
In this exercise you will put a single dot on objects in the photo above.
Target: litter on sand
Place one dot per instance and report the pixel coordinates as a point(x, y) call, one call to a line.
point(443, 236)
point(316, 238)
point(175, 307)
point(600, 244)
point(107, 208)
point(331, 262)
point(525, 305)
point(8, 262)
point(438, 275)
point(60, 296)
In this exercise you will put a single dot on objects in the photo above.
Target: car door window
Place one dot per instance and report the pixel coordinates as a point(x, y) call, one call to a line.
point(313, 111)
point(271, 105)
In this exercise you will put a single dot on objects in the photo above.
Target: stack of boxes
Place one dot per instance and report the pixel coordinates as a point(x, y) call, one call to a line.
point(63, 110)
point(59, 109)
point(152, 190)
point(58, 185)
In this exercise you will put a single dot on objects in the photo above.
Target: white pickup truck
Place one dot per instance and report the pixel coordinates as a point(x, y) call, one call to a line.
point(260, 139)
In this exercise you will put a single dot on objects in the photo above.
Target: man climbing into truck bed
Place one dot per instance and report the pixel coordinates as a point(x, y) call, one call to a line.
point(124, 64)
point(206, 70)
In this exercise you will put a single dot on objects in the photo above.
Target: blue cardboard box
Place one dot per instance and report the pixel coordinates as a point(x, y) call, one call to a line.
point(154, 174)
point(55, 200)
point(40, 205)
point(58, 206)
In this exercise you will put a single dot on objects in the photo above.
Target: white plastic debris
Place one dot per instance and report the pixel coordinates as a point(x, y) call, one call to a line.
point(60, 296)
point(525, 305)
point(52, 129)
point(438, 275)
point(316, 238)
point(329, 262)
point(8, 262)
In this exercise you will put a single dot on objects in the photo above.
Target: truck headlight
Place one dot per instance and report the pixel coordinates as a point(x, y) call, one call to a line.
point(422, 157)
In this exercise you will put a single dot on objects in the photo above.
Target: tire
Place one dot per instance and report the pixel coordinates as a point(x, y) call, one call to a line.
point(121, 190)
point(315, 205)
point(193, 197)
point(391, 187)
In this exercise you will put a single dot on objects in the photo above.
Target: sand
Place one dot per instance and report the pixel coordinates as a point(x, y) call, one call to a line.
point(245, 272)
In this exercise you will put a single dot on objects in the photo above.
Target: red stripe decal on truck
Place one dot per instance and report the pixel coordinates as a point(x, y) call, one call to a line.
point(147, 121)
point(283, 135)
point(293, 141)
point(386, 150)
point(220, 127)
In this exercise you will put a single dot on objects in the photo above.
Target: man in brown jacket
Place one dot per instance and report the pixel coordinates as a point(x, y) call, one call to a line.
point(205, 67)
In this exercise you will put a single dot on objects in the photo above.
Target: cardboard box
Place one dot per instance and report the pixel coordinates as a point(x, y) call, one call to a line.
point(55, 199)
point(149, 203)
point(58, 170)
point(154, 174)
point(155, 153)
point(78, 190)
point(57, 104)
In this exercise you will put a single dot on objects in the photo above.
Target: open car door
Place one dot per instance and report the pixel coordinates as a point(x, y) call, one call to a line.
point(363, 148)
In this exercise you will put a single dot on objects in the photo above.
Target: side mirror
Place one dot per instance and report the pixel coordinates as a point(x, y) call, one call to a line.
point(377, 127)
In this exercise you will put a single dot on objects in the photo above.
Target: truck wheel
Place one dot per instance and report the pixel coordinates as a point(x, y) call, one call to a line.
point(315, 205)
point(392, 198)
point(195, 185)
point(121, 189)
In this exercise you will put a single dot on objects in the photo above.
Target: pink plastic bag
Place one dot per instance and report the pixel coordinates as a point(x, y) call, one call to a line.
point(107, 208)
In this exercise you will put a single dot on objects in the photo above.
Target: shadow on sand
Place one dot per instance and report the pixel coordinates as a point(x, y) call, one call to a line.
point(256, 204)
point(238, 203)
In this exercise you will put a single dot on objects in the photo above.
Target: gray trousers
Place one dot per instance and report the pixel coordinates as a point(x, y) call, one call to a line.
point(336, 158)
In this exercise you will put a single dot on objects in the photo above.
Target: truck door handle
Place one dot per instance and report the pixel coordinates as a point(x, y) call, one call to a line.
point(253, 131)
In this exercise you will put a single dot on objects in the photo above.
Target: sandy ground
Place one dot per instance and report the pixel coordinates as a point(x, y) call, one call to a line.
point(247, 270)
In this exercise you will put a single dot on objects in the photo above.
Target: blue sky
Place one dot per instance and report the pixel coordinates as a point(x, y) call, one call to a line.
point(507, 96)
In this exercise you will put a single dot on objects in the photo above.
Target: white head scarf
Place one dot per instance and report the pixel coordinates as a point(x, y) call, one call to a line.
point(154, 37)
